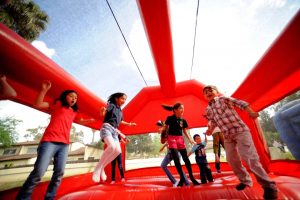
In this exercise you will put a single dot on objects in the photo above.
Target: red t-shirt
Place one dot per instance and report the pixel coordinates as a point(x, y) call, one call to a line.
point(60, 124)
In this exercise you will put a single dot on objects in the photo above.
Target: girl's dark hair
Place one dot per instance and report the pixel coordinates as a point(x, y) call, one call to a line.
point(112, 98)
point(172, 108)
point(62, 99)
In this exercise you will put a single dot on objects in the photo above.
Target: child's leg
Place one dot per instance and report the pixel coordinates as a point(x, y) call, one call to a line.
point(59, 163)
point(235, 162)
point(208, 173)
point(164, 165)
point(113, 169)
point(109, 154)
point(188, 166)
point(187, 183)
point(202, 173)
point(174, 153)
point(119, 160)
point(248, 153)
point(46, 151)
point(216, 147)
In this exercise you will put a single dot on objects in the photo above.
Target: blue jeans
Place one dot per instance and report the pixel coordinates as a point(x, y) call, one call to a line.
point(287, 123)
point(45, 152)
point(164, 165)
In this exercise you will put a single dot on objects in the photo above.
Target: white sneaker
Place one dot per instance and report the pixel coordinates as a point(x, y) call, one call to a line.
point(113, 182)
point(175, 184)
point(123, 180)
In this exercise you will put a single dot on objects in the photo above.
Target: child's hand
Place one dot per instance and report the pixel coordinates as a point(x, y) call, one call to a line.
point(46, 85)
point(208, 132)
point(102, 111)
point(2, 77)
point(253, 115)
point(132, 124)
point(193, 142)
point(127, 140)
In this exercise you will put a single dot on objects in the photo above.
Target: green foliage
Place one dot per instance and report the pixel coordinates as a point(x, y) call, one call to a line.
point(34, 133)
point(141, 146)
point(266, 121)
point(24, 17)
point(271, 137)
point(76, 136)
point(99, 144)
point(8, 134)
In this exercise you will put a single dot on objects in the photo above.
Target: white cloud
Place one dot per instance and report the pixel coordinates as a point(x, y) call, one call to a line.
point(40, 45)
point(140, 48)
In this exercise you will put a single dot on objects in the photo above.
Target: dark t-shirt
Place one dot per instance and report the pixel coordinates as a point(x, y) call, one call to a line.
point(200, 155)
point(113, 115)
point(176, 125)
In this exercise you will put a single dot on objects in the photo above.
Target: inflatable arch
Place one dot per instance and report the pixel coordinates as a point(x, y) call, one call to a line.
point(275, 76)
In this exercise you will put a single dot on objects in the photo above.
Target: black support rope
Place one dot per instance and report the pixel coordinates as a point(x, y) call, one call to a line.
point(126, 41)
point(194, 40)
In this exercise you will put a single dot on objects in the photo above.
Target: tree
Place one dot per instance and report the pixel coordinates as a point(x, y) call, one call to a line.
point(76, 136)
point(266, 122)
point(34, 133)
point(24, 17)
point(145, 145)
point(8, 134)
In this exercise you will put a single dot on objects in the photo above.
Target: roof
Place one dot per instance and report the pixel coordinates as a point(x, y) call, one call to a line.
point(79, 151)
point(17, 157)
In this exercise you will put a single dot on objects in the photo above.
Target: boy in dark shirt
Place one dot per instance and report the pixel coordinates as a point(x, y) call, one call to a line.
point(200, 157)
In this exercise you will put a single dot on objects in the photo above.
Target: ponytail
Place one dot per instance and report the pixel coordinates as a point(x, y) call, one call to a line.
point(167, 107)
point(172, 108)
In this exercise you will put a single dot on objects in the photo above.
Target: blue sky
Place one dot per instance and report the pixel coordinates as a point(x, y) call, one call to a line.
point(83, 38)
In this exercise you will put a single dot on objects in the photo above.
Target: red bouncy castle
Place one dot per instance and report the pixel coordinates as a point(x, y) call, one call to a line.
point(20, 62)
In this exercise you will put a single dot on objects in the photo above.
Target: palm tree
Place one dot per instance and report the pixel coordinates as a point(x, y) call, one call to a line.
point(24, 17)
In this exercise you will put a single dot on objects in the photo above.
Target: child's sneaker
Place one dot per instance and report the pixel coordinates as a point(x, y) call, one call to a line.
point(218, 171)
point(241, 186)
point(270, 193)
point(123, 180)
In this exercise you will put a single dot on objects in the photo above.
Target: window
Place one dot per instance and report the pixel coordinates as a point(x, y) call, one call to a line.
point(9, 151)
point(31, 150)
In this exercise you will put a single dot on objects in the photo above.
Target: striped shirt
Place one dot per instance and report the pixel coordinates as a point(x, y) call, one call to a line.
point(221, 113)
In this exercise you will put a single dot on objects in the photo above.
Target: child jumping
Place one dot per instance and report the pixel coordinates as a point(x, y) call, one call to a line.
point(200, 157)
point(218, 141)
point(168, 157)
point(109, 133)
point(176, 126)
point(238, 140)
point(54, 143)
